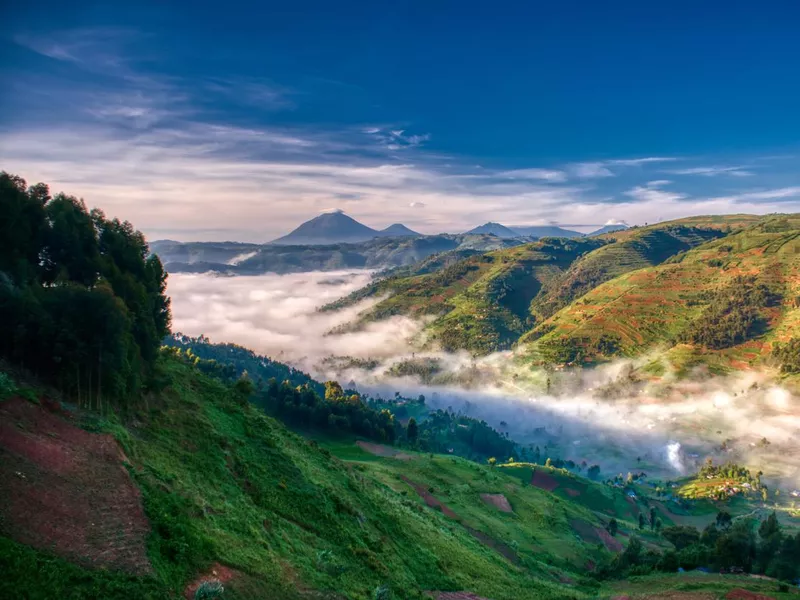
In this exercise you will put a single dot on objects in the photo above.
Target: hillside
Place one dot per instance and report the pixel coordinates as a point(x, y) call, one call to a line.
point(645, 247)
point(487, 302)
point(751, 278)
point(222, 484)
point(199, 486)
point(480, 303)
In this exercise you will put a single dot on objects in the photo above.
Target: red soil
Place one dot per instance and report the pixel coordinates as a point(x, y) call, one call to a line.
point(66, 490)
point(499, 501)
point(611, 543)
point(544, 480)
point(217, 572)
point(455, 596)
point(483, 538)
point(572, 493)
point(740, 594)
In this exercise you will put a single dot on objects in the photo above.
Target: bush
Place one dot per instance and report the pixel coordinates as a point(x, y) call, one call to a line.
point(7, 386)
point(209, 589)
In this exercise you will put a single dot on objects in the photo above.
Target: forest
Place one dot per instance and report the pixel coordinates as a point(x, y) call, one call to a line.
point(82, 301)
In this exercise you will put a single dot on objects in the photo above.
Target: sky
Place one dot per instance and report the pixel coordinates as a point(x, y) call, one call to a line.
point(238, 121)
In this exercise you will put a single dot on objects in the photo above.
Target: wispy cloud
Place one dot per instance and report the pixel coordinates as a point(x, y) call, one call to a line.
point(174, 157)
point(713, 171)
point(552, 175)
point(590, 170)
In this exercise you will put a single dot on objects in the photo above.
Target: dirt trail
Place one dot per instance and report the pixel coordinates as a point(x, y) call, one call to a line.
point(383, 451)
point(66, 490)
point(431, 500)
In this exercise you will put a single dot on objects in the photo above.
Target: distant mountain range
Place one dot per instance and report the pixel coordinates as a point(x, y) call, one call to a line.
point(608, 229)
point(539, 231)
point(337, 228)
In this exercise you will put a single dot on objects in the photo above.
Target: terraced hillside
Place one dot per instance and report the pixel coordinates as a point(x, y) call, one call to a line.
point(724, 303)
point(481, 303)
point(640, 248)
point(486, 302)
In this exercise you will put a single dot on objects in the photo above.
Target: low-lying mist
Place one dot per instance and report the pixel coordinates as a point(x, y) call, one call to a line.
point(606, 415)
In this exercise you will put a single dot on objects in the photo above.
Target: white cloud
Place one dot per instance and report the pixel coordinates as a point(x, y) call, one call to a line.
point(590, 170)
point(417, 204)
point(635, 162)
point(552, 175)
point(713, 171)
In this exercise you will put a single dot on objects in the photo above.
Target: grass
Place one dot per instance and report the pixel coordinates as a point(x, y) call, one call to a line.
point(222, 482)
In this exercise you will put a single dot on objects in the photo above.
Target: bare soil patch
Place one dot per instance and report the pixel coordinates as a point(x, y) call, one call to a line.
point(66, 490)
point(544, 480)
point(383, 451)
point(740, 594)
point(217, 572)
point(572, 493)
point(455, 596)
point(483, 538)
point(611, 543)
point(499, 501)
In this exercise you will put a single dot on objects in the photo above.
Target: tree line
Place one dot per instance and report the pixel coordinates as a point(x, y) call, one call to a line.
point(726, 545)
point(82, 300)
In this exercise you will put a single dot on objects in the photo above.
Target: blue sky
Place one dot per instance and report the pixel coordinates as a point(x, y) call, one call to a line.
point(239, 120)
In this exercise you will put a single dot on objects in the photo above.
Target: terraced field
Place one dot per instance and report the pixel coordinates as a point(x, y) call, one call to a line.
point(649, 308)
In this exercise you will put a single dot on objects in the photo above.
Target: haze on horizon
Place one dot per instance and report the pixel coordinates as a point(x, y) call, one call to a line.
point(201, 124)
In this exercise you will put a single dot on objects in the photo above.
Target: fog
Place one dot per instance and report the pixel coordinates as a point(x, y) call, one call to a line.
point(605, 415)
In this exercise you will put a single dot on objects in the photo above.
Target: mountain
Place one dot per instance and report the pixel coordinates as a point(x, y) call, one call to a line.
point(483, 302)
point(497, 229)
point(328, 228)
point(608, 229)
point(540, 231)
point(532, 231)
point(377, 253)
point(396, 230)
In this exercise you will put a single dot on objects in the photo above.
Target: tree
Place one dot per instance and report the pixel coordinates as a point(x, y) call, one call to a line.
point(548, 463)
point(652, 517)
point(612, 527)
point(492, 461)
point(681, 536)
point(724, 519)
point(412, 431)
point(641, 521)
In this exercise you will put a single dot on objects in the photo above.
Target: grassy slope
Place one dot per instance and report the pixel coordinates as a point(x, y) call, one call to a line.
point(480, 303)
point(648, 307)
point(640, 248)
point(223, 482)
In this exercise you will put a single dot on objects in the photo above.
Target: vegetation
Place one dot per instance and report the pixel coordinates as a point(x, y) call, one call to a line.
point(733, 314)
point(722, 482)
point(81, 302)
point(726, 302)
point(724, 546)
point(788, 355)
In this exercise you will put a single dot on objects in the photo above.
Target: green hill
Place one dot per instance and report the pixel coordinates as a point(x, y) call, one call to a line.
point(481, 303)
point(486, 302)
point(221, 483)
point(724, 303)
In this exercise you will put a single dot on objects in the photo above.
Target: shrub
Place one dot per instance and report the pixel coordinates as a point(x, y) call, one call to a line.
point(7, 386)
point(209, 590)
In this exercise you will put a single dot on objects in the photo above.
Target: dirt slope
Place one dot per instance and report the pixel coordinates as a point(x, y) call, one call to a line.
point(66, 490)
